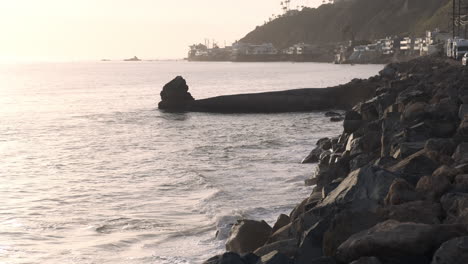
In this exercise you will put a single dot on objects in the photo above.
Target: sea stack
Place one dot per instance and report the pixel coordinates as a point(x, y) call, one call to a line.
point(175, 95)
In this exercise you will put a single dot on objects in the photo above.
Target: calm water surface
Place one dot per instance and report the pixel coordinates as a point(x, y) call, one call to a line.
point(92, 172)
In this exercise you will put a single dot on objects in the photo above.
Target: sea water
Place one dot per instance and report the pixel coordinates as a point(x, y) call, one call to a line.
point(92, 172)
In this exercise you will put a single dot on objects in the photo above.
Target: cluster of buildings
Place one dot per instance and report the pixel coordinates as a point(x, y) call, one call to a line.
point(382, 49)
point(239, 51)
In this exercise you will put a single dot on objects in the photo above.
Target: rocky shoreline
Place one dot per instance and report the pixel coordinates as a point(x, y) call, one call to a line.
point(391, 189)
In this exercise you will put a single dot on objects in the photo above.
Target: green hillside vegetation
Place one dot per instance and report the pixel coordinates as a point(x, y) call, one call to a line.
point(358, 19)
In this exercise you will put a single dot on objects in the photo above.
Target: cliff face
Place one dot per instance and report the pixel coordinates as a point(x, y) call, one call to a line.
point(361, 19)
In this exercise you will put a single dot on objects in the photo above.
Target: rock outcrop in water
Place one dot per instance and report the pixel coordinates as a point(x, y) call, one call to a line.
point(392, 188)
point(176, 98)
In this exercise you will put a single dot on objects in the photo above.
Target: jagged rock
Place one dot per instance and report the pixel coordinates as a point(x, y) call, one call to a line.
point(414, 167)
point(391, 125)
point(385, 162)
point(247, 235)
point(285, 233)
point(363, 189)
point(455, 206)
point(392, 239)
point(461, 153)
point(286, 247)
point(175, 95)
point(417, 212)
point(454, 251)
point(461, 183)
point(401, 192)
point(327, 189)
point(462, 132)
point(321, 146)
point(274, 257)
point(367, 260)
point(311, 245)
point(283, 220)
point(345, 224)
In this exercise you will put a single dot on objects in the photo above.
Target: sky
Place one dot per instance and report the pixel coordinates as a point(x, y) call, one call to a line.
point(75, 30)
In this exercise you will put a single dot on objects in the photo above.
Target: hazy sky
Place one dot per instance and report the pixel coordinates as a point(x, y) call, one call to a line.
point(115, 29)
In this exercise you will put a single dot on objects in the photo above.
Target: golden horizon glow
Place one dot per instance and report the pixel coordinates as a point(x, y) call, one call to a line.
point(64, 30)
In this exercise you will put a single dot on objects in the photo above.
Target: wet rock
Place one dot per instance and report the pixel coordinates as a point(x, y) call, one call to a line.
point(367, 260)
point(274, 257)
point(286, 247)
point(392, 239)
point(417, 212)
point(336, 119)
point(454, 251)
point(455, 206)
point(247, 235)
point(282, 221)
point(175, 95)
point(401, 192)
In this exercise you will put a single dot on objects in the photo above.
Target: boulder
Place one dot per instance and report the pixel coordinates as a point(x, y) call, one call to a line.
point(440, 145)
point(447, 172)
point(401, 192)
point(175, 95)
point(286, 247)
point(424, 212)
point(414, 167)
point(455, 206)
point(283, 220)
point(414, 111)
point(363, 189)
point(454, 251)
point(285, 233)
point(367, 260)
point(433, 186)
point(345, 224)
point(247, 235)
point(321, 146)
point(396, 240)
point(353, 121)
point(311, 245)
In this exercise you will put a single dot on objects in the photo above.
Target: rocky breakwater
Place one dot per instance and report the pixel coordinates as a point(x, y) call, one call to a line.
point(175, 97)
point(391, 189)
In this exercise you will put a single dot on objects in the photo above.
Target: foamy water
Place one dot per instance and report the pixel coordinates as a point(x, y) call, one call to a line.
point(93, 172)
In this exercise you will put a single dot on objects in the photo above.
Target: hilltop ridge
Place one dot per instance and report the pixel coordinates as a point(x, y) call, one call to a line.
point(358, 19)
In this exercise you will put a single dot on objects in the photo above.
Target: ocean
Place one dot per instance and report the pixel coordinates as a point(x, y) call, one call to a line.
point(92, 172)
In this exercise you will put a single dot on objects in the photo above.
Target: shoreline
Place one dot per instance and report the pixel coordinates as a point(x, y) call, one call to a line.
point(392, 188)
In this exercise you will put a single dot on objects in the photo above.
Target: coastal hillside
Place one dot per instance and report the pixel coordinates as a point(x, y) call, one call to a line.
point(359, 19)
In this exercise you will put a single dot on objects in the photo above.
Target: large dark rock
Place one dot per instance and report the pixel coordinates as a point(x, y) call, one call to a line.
point(286, 247)
point(417, 212)
point(282, 221)
point(399, 241)
point(363, 189)
point(454, 251)
point(274, 257)
point(247, 235)
point(175, 95)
